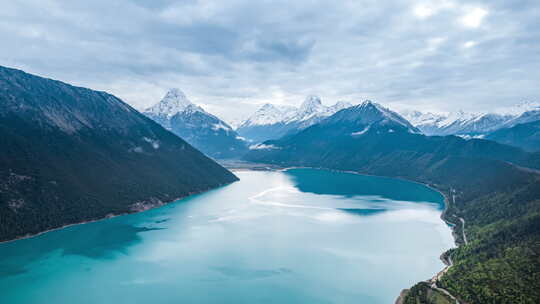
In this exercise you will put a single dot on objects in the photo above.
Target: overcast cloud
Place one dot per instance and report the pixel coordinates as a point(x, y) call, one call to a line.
point(232, 56)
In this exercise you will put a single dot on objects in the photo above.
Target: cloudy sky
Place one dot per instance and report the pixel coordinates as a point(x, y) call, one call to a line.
point(232, 56)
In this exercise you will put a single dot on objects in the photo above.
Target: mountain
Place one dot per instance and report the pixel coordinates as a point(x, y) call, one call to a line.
point(266, 123)
point(470, 124)
point(71, 154)
point(458, 123)
point(475, 125)
point(526, 117)
point(201, 129)
point(525, 136)
point(272, 122)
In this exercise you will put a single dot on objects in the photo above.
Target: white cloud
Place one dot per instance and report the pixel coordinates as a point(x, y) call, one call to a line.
point(428, 9)
point(423, 11)
point(233, 56)
point(473, 17)
point(435, 43)
point(469, 44)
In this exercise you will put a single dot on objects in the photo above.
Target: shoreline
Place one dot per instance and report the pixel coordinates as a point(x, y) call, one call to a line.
point(443, 257)
point(109, 216)
point(446, 260)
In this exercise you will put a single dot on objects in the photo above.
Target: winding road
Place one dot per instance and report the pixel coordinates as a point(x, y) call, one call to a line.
point(439, 275)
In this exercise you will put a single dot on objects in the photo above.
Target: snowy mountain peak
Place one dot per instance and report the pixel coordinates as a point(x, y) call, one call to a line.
point(367, 103)
point(311, 107)
point(175, 101)
point(311, 111)
point(368, 113)
point(419, 119)
point(267, 107)
point(311, 104)
point(268, 114)
point(340, 105)
point(175, 93)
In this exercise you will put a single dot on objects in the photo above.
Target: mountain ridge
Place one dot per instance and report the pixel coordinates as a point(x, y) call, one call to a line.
point(272, 122)
point(472, 124)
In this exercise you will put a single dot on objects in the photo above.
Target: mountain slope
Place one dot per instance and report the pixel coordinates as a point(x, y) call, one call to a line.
point(201, 129)
point(70, 154)
point(273, 122)
point(526, 117)
point(525, 136)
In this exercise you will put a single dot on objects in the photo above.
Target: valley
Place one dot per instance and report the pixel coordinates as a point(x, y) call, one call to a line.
point(270, 152)
point(72, 155)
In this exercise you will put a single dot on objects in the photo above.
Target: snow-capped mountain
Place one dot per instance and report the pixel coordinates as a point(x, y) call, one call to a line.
point(531, 115)
point(355, 133)
point(473, 124)
point(175, 101)
point(273, 121)
point(269, 114)
point(369, 114)
point(456, 123)
point(428, 122)
point(311, 107)
point(201, 129)
point(340, 105)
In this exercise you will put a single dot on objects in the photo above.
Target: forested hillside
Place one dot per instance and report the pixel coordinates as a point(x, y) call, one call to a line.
point(70, 154)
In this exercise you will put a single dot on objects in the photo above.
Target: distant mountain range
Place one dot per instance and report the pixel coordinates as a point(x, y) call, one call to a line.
point(277, 121)
point(204, 131)
point(369, 136)
point(71, 154)
point(472, 124)
point(273, 122)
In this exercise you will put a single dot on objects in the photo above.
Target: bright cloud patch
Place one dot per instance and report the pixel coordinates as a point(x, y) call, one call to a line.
point(263, 147)
point(423, 11)
point(232, 61)
point(469, 44)
point(473, 18)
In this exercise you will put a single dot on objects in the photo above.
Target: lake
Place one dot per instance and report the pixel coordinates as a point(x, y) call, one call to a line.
point(298, 236)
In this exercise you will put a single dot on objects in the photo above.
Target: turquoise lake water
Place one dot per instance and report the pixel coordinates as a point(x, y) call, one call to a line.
point(299, 236)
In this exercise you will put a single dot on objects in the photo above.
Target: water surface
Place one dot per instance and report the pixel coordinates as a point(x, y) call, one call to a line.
point(301, 236)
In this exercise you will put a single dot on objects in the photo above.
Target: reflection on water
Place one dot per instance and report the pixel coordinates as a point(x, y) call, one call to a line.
point(363, 211)
point(301, 236)
point(350, 185)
